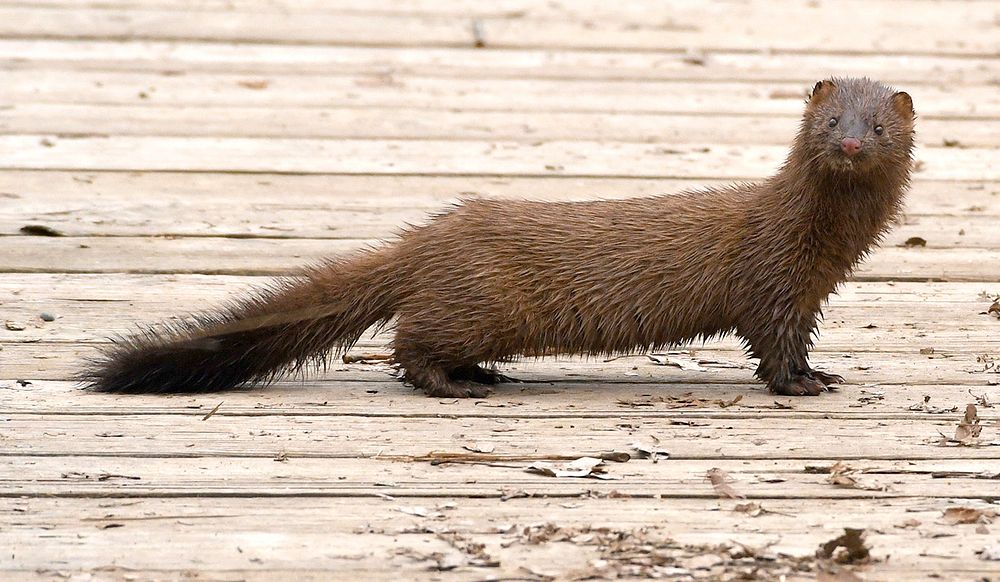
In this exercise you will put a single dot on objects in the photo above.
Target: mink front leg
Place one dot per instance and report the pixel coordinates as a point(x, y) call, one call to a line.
point(782, 343)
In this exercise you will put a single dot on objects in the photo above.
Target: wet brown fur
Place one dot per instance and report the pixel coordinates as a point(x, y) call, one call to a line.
point(490, 280)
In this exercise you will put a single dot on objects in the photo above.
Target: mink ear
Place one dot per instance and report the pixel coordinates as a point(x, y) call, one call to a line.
point(821, 90)
point(903, 104)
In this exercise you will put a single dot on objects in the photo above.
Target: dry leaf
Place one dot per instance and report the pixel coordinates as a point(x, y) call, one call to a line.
point(213, 411)
point(686, 361)
point(969, 428)
point(868, 397)
point(981, 399)
point(720, 482)
point(849, 548)
point(650, 452)
point(728, 403)
point(582, 467)
point(926, 407)
point(366, 358)
point(960, 515)
point(679, 360)
point(843, 475)
point(753, 509)
point(480, 447)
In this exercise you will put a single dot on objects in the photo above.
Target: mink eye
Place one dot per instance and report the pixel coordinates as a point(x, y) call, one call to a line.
point(879, 130)
point(833, 122)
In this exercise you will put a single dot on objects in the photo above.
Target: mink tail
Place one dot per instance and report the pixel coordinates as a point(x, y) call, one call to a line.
point(281, 328)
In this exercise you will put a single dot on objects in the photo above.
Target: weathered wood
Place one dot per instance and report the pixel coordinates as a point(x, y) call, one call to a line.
point(371, 392)
point(214, 217)
point(318, 197)
point(103, 476)
point(268, 256)
point(407, 123)
point(330, 534)
point(63, 361)
point(354, 156)
point(381, 89)
point(333, 436)
point(676, 26)
point(89, 307)
point(152, 290)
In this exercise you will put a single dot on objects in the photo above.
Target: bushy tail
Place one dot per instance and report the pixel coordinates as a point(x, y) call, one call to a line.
point(278, 329)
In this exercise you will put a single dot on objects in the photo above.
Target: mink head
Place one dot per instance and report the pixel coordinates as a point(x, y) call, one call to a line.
point(857, 125)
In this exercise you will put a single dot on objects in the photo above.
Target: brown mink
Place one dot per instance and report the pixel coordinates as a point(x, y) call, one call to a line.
point(489, 280)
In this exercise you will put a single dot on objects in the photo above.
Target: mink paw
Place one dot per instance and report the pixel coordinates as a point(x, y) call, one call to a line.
point(801, 385)
point(826, 379)
point(481, 375)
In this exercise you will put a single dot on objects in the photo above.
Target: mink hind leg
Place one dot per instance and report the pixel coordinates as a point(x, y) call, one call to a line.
point(429, 367)
point(436, 381)
point(481, 375)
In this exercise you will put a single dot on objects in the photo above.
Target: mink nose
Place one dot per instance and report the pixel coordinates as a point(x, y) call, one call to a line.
point(850, 145)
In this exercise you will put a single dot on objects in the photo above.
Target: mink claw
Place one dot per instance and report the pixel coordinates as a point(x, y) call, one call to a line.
point(825, 378)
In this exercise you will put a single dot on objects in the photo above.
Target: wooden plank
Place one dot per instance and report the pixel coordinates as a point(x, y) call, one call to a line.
point(426, 157)
point(952, 330)
point(405, 123)
point(47, 195)
point(863, 368)
point(960, 29)
point(269, 256)
point(89, 308)
point(369, 391)
point(280, 533)
point(333, 436)
point(379, 89)
point(213, 217)
point(80, 476)
point(866, 369)
point(152, 292)
point(280, 60)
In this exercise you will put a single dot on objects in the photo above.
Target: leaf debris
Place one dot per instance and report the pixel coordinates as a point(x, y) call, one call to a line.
point(213, 411)
point(583, 467)
point(848, 548)
point(963, 515)
point(720, 482)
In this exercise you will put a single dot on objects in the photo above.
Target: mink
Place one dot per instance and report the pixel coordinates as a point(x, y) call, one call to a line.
point(488, 281)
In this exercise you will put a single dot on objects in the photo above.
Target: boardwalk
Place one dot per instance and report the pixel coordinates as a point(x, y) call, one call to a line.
point(186, 149)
